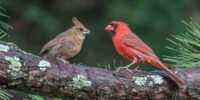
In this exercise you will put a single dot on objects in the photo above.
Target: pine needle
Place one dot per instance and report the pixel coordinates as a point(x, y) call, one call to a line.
point(187, 47)
point(4, 26)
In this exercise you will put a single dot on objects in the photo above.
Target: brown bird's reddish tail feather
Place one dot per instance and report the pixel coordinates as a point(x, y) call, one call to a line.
point(160, 65)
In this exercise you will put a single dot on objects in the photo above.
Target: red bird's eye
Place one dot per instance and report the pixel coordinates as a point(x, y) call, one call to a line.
point(114, 25)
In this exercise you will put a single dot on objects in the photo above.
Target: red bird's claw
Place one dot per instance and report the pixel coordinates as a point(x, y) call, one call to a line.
point(118, 69)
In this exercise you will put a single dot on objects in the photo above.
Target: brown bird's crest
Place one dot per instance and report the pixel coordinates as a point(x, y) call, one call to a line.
point(76, 21)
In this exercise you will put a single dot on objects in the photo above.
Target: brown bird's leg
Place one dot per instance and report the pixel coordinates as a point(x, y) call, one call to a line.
point(63, 60)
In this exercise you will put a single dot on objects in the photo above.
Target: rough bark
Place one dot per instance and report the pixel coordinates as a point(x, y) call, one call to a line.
point(59, 79)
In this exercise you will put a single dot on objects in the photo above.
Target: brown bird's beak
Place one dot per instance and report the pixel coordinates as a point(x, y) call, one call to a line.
point(109, 28)
point(86, 32)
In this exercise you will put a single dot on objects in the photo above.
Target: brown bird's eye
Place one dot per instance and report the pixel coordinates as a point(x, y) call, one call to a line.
point(81, 29)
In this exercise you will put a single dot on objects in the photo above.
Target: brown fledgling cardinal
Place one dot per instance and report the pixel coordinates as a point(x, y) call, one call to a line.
point(67, 44)
point(131, 47)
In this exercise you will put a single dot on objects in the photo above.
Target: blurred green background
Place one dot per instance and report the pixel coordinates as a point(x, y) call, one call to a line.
point(35, 22)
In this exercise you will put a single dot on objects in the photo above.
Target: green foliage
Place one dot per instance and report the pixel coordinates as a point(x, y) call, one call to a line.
point(187, 47)
point(33, 97)
point(4, 95)
point(3, 26)
point(8, 95)
point(37, 97)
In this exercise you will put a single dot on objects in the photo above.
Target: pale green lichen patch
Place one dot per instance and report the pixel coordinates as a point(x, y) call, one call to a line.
point(133, 90)
point(140, 81)
point(4, 48)
point(43, 65)
point(149, 80)
point(14, 66)
point(157, 79)
point(150, 83)
point(81, 81)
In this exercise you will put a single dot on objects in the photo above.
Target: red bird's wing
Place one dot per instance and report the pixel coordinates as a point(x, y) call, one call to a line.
point(133, 41)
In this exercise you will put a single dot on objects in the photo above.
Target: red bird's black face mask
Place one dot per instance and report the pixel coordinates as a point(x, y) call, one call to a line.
point(112, 27)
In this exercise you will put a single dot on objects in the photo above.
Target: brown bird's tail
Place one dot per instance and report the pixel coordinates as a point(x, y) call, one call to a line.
point(159, 64)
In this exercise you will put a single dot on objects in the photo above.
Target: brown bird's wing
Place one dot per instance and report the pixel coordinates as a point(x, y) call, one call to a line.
point(51, 44)
point(48, 47)
point(133, 41)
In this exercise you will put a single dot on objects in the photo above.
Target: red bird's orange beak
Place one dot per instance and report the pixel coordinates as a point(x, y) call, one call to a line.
point(109, 28)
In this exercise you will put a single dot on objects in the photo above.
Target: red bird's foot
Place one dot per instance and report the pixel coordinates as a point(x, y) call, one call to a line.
point(118, 69)
point(136, 69)
point(126, 67)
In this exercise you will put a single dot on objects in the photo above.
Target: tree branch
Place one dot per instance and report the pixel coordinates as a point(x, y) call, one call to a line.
point(24, 71)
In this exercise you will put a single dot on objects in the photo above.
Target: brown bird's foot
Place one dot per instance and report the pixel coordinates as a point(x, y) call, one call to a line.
point(63, 61)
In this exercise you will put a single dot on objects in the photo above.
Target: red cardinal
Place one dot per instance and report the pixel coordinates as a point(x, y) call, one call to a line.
point(131, 47)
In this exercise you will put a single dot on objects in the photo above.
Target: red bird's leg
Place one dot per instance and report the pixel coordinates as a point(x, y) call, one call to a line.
point(130, 64)
point(126, 67)
point(138, 64)
point(136, 68)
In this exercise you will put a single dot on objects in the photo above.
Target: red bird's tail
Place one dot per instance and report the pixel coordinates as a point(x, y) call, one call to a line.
point(159, 64)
